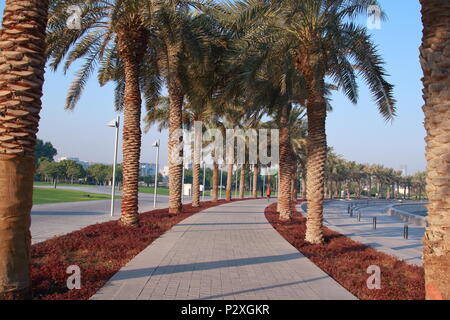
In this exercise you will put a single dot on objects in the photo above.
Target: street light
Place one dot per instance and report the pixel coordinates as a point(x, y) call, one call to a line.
point(220, 190)
point(250, 179)
point(156, 145)
point(114, 124)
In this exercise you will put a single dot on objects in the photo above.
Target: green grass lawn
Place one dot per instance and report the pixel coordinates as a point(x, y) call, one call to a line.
point(152, 190)
point(40, 183)
point(41, 195)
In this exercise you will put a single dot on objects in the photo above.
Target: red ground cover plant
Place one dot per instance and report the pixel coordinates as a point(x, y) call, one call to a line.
point(346, 261)
point(99, 250)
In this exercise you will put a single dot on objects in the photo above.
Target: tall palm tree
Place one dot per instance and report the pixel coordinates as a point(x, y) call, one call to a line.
point(243, 173)
point(434, 57)
point(200, 78)
point(233, 115)
point(323, 41)
point(22, 62)
point(114, 35)
point(258, 70)
point(255, 181)
point(178, 29)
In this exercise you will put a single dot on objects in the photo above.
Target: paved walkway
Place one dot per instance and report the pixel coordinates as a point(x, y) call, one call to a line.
point(226, 252)
point(388, 237)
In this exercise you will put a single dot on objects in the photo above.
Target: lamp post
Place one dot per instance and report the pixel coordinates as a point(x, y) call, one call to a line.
point(220, 189)
point(250, 184)
point(156, 145)
point(114, 124)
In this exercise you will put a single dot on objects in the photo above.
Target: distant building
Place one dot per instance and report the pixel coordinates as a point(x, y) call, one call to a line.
point(84, 164)
point(147, 169)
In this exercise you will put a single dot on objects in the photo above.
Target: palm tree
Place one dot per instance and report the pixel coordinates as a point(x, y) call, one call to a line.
point(114, 35)
point(232, 116)
point(258, 70)
point(255, 181)
point(323, 41)
point(22, 62)
point(369, 171)
point(243, 173)
point(434, 59)
point(182, 36)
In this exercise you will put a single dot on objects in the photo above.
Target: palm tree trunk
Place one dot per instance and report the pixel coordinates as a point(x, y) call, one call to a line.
point(303, 180)
point(294, 185)
point(242, 182)
point(435, 55)
point(132, 46)
point(317, 155)
point(22, 62)
point(255, 181)
point(229, 182)
point(176, 97)
point(378, 189)
point(196, 185)
point(215, 186)
point(285, 172)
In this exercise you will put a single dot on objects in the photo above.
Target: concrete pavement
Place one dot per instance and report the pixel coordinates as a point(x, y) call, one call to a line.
point(226, 252)
point(387, 237)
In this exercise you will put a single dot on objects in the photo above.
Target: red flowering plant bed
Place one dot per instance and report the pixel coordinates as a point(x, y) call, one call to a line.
point(347, 261)
point(99, 250)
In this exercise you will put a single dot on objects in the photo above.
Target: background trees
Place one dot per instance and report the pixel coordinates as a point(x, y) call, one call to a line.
point(44, 150)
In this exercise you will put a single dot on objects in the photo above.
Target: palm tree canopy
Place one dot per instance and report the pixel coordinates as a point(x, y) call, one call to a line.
point(321, 40)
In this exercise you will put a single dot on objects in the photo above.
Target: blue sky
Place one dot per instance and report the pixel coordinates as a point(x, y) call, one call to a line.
point(358, 132)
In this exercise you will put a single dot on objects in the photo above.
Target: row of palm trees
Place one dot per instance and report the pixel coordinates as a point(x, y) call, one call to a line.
point(235, 60)
point(364, 180)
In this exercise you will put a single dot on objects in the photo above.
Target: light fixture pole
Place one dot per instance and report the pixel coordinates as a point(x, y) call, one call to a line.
point(114, 124)
point(220, 190)
point(156, 145)
point(251, 170)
